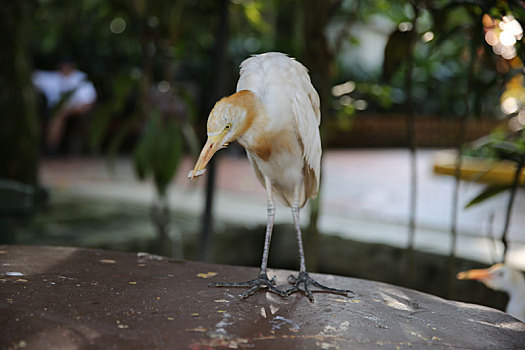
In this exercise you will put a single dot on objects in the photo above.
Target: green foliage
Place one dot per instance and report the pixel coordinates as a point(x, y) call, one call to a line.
point(123, 86)
point(179, 37)
point(173, 41)
point(252, 10)
point(446, 33)
point(482, 147)
point(345, 117)
point(380, 95)
point(158, 151)
point(487, 193)
point(441, 63)
point(396, 51)
point(126, 47)
point(498, 146)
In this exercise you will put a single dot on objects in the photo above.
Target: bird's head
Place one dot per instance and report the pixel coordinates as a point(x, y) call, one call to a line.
point(497, 277)
point(226, 122)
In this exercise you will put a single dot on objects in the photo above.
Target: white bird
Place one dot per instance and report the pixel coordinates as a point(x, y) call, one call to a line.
point(506, 279)
point(275, 116)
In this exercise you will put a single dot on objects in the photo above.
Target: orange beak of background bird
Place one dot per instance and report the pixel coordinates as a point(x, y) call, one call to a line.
point(209, 149)
point(478, 274)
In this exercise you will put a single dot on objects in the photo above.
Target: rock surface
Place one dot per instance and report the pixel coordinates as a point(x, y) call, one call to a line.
point(68, 298)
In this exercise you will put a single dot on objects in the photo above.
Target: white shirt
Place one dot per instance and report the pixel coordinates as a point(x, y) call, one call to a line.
point(53, 85)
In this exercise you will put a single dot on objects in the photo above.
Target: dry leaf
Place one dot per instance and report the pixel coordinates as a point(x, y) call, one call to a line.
point(207, 275)
point(198, 329)
point(107, 261)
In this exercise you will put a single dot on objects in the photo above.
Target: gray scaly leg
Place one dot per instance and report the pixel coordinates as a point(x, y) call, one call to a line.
point(303, 277)
point(263, 280)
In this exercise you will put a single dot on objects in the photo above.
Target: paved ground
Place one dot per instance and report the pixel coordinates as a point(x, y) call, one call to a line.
point(364, 197)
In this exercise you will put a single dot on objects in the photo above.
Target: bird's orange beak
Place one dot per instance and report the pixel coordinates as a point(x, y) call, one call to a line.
point(212, 145)
point(478, 275)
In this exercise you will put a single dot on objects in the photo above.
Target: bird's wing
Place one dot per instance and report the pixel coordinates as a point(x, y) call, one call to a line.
point(284, 87)
point(307, 117)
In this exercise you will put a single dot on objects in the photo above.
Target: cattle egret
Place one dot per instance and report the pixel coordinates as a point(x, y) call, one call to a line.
point(506, 279)
point(275, 116)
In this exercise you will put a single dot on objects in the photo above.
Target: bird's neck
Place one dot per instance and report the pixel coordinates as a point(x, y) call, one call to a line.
point(255, 118)
point(516, 304)
point(518, 290)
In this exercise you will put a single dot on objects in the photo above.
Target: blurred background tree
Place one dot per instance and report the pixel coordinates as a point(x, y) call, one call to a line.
point(19, 125)
point(121, 35)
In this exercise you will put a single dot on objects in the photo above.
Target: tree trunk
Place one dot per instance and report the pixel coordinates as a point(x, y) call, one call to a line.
point(219, 54)
point(318, 58)
point(409, 267)
point(160, 216)
point(457, 171)
point(19, 127)
point(411, 132)
point(510, 204)
point(285, 36)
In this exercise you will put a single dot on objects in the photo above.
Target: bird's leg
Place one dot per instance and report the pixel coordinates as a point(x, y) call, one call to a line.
point(263, 280)
point(303, 277)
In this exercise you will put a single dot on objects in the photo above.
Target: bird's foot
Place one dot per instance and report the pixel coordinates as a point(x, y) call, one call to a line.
point(304, 279)
point(261, 282)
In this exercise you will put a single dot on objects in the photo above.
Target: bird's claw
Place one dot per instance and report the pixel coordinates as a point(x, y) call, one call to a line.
point(261, 282)
point(306, 280)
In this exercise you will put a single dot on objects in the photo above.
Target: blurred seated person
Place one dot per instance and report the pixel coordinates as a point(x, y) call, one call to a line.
point(69, 94)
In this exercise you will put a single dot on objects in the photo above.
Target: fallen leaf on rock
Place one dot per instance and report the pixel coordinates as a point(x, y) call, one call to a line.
point(207, 275)
point(107, 261)
point(198, 329)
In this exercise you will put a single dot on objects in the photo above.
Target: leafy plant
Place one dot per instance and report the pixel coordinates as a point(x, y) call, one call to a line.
point(512, 149)
point(495, 147)
point(158, 151)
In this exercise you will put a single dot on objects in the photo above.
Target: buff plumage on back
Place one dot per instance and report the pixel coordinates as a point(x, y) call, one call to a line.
point(284, 87)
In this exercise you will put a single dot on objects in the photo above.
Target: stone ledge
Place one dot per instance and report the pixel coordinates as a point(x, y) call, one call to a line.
point(78, 298)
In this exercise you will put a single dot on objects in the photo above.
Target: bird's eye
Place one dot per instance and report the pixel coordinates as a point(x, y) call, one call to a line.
point(228, 126)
